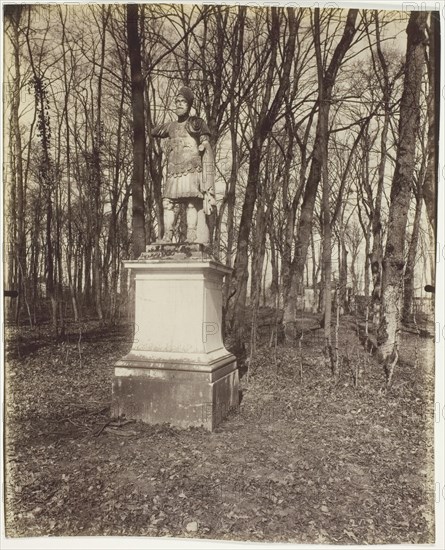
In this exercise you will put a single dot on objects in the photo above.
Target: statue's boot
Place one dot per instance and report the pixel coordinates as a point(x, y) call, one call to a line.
point(192, 222)
point(197, 229)
point(202, 229)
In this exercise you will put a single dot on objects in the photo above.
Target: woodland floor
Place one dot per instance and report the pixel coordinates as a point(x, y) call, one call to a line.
point(307, 458)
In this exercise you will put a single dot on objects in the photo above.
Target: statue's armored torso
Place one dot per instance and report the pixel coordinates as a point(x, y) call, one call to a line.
point(183, 156)
point(184, 164)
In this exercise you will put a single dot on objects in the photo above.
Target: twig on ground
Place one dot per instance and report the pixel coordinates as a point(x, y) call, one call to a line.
point(116, 431)
point(120, 423)
point(102, 428)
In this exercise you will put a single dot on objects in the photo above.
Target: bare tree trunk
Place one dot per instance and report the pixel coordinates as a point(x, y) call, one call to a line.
point(290, 210)
point(433, 113)
point(315, 272)
point(275, 282)
point(236, 57)
point(377, 232)
point(343, 275)
point(394, 262)
point(18, 191)
point(123, 226)
point(137, 97)
point(366, 228)
point(47, 176)
point(97, 178)
point(310, 193)
point(11, 232)
point(258, 251)
point(263, 217)
point(326, 210)
point(69, 244)
point(263, 127)
point(408, 290)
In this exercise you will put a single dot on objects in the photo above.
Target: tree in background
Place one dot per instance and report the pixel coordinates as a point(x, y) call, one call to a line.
point(137, 102)
point(394, 259)
point(326, 81)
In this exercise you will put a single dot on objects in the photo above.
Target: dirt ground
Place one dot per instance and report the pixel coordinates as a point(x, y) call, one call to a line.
point(306, 458)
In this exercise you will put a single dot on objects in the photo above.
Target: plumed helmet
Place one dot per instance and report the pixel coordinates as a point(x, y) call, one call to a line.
point(187, 94)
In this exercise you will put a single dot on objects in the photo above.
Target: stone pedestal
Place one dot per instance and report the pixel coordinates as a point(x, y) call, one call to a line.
point(178, 370)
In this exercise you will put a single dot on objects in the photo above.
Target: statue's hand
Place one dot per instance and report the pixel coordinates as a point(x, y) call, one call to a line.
point(204, 146)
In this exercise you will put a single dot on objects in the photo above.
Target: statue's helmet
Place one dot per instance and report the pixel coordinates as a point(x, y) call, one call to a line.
point(187, 94)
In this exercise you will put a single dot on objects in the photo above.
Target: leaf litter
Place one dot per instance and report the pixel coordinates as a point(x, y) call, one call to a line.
point(305, 458)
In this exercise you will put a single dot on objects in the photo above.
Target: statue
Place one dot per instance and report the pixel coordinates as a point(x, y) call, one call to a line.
point(178, 370)
point(190, 170)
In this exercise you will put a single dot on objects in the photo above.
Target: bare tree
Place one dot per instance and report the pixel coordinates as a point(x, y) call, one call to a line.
point(433, 110)
point(394, 261)
point(137, 96)
point(269, 108)
point(17, 261)
point(303, 234)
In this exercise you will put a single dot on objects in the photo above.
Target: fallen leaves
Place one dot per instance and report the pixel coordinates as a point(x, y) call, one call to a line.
point(307, 462)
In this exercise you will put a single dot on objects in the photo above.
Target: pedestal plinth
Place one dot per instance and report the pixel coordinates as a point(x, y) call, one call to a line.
point(178, 370)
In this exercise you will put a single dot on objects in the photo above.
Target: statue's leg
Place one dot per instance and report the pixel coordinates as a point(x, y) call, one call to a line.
point(202, 232)
point(169, 218)
point(192, 221)
point(176, 214)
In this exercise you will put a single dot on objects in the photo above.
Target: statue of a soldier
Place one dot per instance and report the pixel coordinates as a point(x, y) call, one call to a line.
point(190, 170)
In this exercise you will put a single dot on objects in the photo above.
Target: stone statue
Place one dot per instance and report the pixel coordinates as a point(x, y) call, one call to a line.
point(190, 170)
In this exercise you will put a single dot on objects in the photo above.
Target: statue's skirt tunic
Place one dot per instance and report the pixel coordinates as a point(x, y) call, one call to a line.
point(184, 164)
